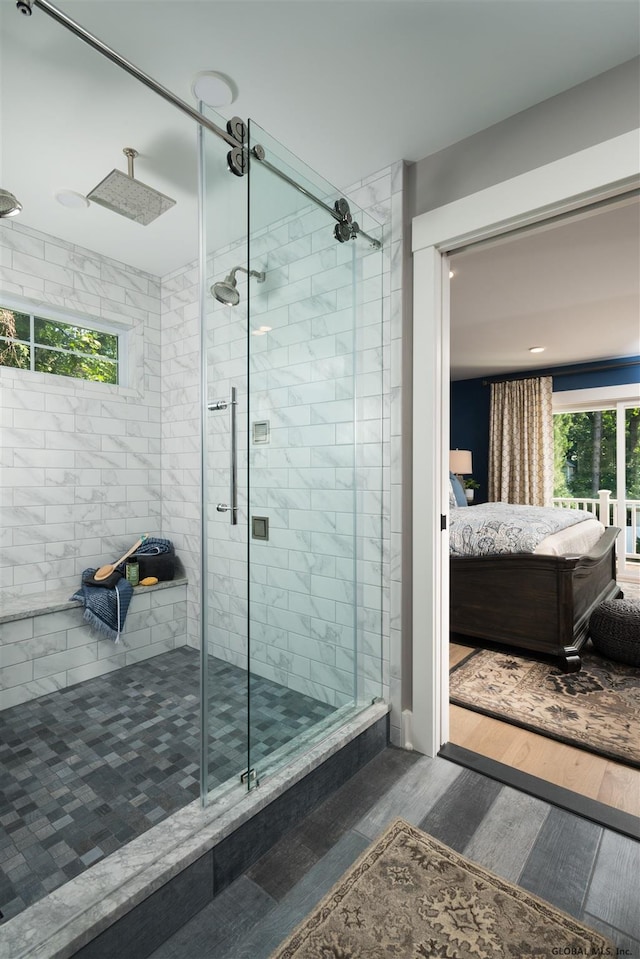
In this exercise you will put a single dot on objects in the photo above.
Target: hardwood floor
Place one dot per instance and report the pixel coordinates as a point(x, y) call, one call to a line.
point(630, 587)
point(592, 776)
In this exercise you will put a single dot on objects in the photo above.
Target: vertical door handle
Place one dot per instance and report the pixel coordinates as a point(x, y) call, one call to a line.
point(230, 404)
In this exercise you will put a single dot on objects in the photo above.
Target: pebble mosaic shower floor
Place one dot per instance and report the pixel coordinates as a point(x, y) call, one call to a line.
point(86, 769)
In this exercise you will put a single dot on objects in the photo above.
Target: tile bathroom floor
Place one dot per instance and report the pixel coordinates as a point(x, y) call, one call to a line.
point(86, 769)
point(583, 868)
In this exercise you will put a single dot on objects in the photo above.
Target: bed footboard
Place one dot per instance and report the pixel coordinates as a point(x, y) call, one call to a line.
point(533, 602)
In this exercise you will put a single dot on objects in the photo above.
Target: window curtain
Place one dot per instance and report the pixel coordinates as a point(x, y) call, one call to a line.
point(521, 442)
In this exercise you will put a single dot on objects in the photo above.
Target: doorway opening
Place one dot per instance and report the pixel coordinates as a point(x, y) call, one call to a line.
point(500, 292)
point(487, 215)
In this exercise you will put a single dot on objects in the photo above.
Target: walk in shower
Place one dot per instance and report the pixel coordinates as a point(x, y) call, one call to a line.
point(292, 444)
point(259, 373)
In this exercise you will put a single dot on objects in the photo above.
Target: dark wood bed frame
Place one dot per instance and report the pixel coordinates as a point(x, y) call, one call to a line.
point(533, 602)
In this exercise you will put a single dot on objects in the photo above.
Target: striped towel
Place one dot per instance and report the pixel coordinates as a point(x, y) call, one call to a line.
point(151, 546)
point(105, 609)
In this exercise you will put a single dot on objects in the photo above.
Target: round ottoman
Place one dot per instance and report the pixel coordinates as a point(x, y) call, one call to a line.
point(615, 630)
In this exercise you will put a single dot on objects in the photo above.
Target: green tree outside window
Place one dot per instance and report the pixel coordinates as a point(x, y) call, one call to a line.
point(50, 346)
point(585, 453)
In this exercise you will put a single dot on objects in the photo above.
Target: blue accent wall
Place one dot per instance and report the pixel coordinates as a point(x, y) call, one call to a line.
point(617, 375)
point(470, 428)
point(470, 405)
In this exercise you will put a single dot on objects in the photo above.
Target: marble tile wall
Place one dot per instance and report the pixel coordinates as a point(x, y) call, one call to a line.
point(58, 649)
point(300, 384)
point(320, 361)
point(147, 476)
point(383, 194)
point(80, 467)
point(80, 461)
point(180, 430)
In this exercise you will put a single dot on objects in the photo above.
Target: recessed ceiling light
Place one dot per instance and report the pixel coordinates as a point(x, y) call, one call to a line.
point(71, 199)
point(214, 89)
point(537, 349)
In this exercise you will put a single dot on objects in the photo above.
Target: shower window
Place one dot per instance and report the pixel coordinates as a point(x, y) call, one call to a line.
point(47, 344)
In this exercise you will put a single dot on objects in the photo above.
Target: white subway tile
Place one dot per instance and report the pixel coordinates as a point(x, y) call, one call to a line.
point(289, 474)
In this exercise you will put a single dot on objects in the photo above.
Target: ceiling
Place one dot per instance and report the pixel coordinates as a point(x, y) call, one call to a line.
point(573, 288)
point(349, 86)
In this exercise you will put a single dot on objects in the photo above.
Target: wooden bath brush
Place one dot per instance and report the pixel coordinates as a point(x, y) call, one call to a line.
point(105, 571)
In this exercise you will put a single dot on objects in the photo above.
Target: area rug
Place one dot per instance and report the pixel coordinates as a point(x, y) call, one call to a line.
point(597, 708)
point(410, 897)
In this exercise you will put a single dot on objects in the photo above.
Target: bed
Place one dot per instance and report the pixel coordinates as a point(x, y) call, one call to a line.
point(533, 590)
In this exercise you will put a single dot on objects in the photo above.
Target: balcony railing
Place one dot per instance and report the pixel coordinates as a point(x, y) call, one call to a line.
point(606, 510)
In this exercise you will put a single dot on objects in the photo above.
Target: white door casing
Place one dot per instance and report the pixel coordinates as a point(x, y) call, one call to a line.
point(601, 171)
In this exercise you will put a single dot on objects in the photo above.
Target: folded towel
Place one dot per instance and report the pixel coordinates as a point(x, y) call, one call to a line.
point(105, 609)
point(152, 546)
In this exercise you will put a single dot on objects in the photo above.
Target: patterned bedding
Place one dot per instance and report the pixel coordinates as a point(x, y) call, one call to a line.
point(492, 528)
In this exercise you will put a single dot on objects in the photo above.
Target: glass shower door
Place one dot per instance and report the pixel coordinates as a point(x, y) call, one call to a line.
point(293, 536)
point(223, 607)
point(314, 462)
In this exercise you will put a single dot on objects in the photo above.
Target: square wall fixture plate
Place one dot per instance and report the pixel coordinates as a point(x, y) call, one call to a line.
point(260, 527)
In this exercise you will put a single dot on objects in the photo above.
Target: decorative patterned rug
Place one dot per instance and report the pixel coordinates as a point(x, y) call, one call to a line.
point(597, 708)
point(410, 897)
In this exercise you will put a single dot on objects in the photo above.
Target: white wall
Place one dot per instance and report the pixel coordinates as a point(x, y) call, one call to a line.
point(80, 461)
point(589, 113)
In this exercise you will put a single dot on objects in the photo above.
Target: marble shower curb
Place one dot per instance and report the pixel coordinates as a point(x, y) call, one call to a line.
point(68, 918)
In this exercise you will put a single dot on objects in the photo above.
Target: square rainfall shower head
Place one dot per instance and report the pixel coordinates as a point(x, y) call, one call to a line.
point(130, 197)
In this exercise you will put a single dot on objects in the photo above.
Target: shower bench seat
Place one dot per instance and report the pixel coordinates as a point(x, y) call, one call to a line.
point(39, 604)
point(45, 644)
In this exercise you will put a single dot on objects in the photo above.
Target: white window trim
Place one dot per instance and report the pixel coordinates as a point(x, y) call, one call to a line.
point(600, 398)
point(85, 321)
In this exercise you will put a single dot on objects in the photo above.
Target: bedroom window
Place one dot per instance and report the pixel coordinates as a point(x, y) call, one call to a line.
point(585, 452)
point(597, 448)
point(46, 343)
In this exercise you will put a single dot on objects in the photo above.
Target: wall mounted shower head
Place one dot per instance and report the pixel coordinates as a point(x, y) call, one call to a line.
point(24, 6)
point(226, 291)
point(9, 206)
point(123, 194)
